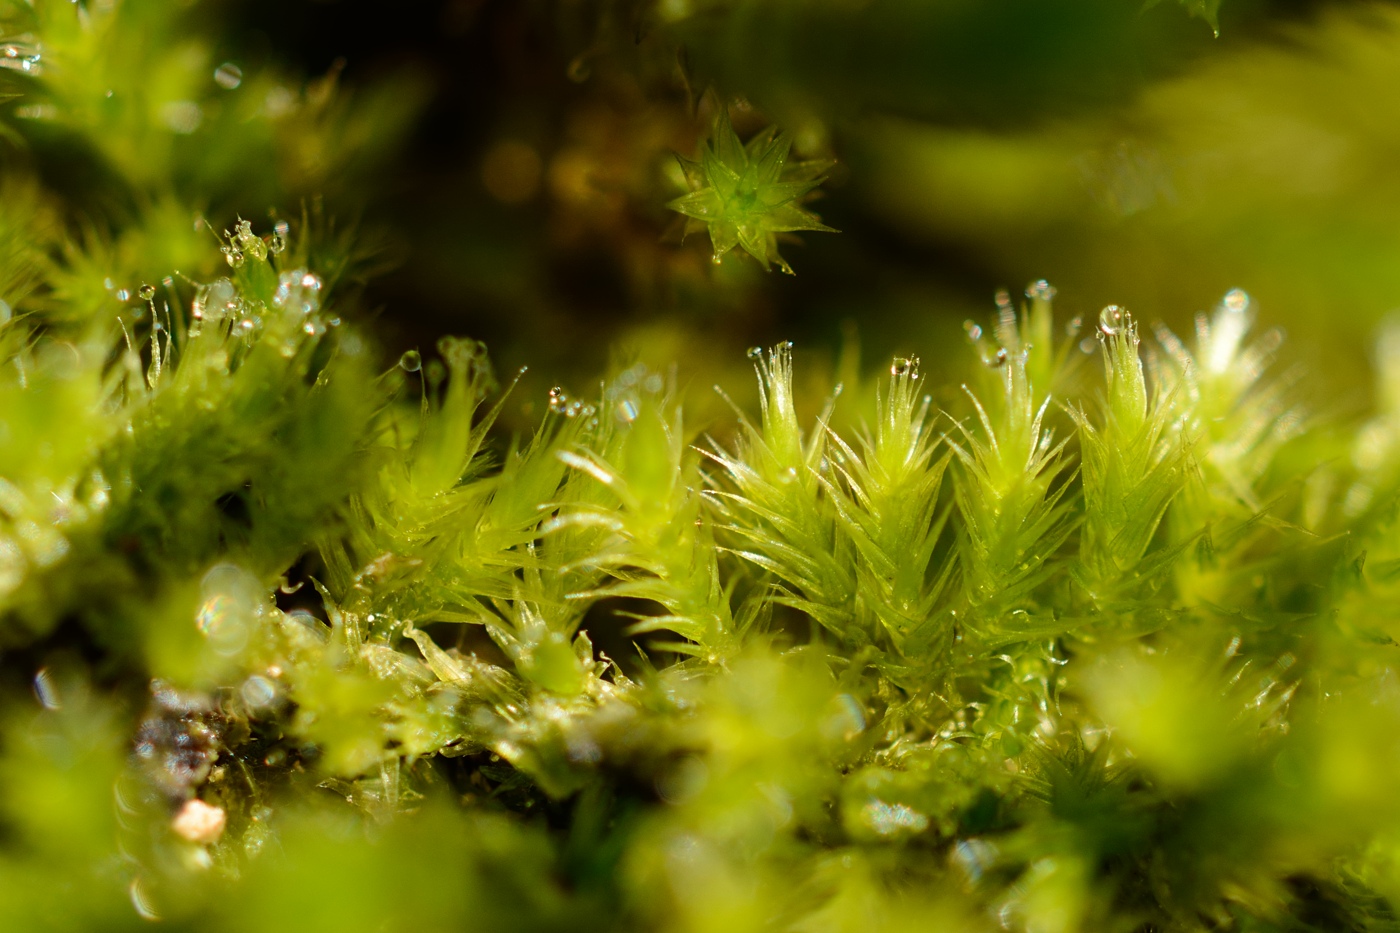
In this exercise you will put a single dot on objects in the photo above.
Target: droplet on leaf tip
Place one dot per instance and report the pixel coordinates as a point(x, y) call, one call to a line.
point(228, 76)
point(1112, 320)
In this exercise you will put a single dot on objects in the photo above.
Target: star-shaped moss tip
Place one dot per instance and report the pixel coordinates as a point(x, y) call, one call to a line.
point(748, 194)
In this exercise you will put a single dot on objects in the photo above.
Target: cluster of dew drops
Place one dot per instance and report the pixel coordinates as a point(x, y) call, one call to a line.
point(298, 290)
point(242, 242)
point(21, 55)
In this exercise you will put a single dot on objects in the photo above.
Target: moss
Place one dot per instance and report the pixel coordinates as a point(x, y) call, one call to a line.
point(1074, 634)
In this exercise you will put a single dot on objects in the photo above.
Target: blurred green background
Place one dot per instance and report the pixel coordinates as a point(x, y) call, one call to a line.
point(1126, 154)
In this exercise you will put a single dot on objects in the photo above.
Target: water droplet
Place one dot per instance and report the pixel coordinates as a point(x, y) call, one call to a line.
point(411, 361)
point(974, 332)
point(1003, 299)
point(627, 410)
point(46, 689)
point(141, 900)
point(298, 290)
point(1073, 326)
point(258, 691)
point(754, 353)
point(1236, 301)
point(147, 292)
point(228, 76)
point(1112, 320)
point(123, 295)
point(1040, 290)
point(785, 345)
point(182, 116)
point(234, 257)
point(280, 233)
point(904, 366)
point(893, 819)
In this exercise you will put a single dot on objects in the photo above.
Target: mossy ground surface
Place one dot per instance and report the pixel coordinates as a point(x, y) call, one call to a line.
point(1089, 626)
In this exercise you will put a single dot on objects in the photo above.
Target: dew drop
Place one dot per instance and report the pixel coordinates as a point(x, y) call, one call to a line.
point(999, 360)
point(1236, 301)
point(1040, 290)
point(277, 245)
point(234, 257)
point(785, 345)
point(893, 819)
point(141, 901)
point(123, 295)
point(904, 366)
point(147, 292)
point(228, 76)
point(1112, 320)
point(46, 689)
point(411, 361)
point(754, 353)
point(974, 332)
point(1003, 299)
point(258, 691)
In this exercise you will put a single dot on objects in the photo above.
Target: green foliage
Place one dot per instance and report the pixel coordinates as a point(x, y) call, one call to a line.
point(748, 193)
point(1046, 639)
point(988, 695)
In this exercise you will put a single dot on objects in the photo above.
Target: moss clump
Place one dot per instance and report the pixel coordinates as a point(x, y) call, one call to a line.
point(1106, 661)
point(1087, 631)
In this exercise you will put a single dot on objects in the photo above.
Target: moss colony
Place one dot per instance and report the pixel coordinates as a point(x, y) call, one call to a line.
point(1090, 630)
